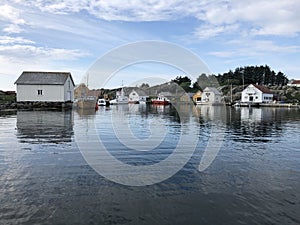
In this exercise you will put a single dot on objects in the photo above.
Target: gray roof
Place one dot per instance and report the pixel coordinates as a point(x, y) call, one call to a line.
point(140, 92)
point(47, 78)
point(166, 94)
point(212, 89)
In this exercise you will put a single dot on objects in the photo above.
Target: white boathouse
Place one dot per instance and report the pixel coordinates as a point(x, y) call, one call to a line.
point(33, 86)
point(256, 94)
point(211, 95)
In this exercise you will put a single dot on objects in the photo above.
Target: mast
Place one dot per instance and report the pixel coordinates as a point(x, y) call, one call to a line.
point(231, 93)
point(87, 80)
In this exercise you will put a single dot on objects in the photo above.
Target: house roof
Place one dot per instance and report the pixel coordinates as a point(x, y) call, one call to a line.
point(212, 89)
point(140, 92)
point(263, 89)
point(296, 82)
point(165, 93)
point(198, 93)
point(189, 94)
point(46, 78)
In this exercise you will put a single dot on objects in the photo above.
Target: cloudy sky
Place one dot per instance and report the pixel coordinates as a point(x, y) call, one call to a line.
point(70, 35)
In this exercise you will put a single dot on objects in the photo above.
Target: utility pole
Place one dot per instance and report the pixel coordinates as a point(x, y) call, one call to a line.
point(231, 93)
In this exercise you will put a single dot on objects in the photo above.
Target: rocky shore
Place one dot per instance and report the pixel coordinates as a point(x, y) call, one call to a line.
point(12, 106)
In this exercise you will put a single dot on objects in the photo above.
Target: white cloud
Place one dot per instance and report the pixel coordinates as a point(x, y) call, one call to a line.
point(12, 29)
point(209, 31)
point(4, 40)
point(255, 48)
point(263, 17)
point(130, 10)
point(30, 52)
point(11, 16)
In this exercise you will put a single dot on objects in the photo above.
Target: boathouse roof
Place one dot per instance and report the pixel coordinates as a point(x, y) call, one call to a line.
point(139, 92)
point(45, 78)
point(263, 89)
point(212, 89)
point(296, 82)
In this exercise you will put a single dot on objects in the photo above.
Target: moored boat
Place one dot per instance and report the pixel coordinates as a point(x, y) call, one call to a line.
point(120, 98)
point(101, 102)
point(160, 101)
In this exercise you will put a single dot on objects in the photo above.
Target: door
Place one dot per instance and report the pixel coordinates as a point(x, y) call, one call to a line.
point(69, 96)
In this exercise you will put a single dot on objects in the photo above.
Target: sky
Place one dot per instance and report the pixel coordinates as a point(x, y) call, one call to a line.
point(71, 35)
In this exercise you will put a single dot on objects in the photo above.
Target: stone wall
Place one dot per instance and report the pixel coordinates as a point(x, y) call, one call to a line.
point(36, 105)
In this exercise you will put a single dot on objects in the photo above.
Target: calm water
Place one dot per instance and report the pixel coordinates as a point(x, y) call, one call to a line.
point(254, 179)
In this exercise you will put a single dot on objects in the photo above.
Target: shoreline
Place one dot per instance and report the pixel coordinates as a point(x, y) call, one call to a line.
point(14, 106)
point(270, 105)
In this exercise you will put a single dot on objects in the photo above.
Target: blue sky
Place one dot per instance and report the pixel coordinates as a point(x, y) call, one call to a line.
point(70, 35)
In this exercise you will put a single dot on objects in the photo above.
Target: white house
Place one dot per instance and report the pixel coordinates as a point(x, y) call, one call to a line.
point(295, 83)
point(211, 95)
point(256, 94)
point(136, 96)
point(45, 87)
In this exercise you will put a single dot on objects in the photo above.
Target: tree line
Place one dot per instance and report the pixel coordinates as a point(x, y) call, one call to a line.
point(262, 75)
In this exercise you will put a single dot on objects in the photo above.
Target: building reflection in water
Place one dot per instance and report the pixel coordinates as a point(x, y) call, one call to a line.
point(45, 126)
point(86, 112)
point(210, 113)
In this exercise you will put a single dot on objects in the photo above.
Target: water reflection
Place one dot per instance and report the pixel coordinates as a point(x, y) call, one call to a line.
point(86, 112)
point(256, 122)
point(45, 126)
point(253, 180)
point(210, 113)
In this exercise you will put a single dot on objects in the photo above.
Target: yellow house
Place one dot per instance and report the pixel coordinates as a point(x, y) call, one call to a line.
point(197, 97)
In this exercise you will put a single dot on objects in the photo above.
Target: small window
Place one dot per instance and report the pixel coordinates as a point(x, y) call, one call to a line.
point(40, 92)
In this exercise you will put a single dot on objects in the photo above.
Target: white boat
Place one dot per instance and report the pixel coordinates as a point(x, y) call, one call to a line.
point(101, 102)
point(237, 104)
point(160, 100)
point(120, 98)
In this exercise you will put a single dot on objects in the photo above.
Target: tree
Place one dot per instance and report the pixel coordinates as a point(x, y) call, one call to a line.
point(144, 85)
point(207, 81)
point(252, 75)
point(183, 82)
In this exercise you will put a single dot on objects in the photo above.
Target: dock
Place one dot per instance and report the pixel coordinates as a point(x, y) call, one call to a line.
point(277, 105)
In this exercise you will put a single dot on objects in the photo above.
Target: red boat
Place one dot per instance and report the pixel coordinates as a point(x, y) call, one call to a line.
point(160, 101)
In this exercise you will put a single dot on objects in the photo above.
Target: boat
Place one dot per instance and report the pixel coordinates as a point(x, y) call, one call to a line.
point(120, 98)
point(88, 102)
point(133, 102)
point(101, 102)
point(143, 102)
point(160, 101)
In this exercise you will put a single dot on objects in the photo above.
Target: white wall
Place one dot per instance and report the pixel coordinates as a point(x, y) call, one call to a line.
point(133, 96)
point(212, 98)
point(267, 97)
point(252, 94)
point(255, 97)
point(69, 90)
point(51, 93)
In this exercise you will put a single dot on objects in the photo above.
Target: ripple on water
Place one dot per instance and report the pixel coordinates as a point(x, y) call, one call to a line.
point(253, 180)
